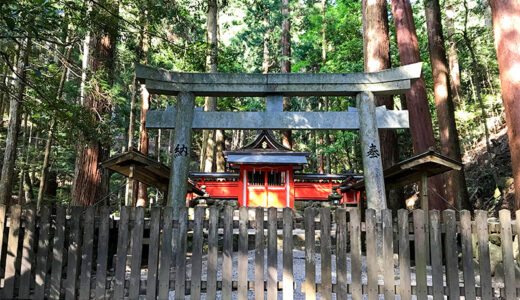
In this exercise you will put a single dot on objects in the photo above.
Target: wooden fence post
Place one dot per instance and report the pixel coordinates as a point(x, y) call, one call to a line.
point(506, 237)
point(309, 286)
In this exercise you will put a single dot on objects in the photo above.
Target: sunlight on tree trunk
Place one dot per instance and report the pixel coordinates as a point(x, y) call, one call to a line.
point(421, 128)
point(457, 193)
point(506, 29)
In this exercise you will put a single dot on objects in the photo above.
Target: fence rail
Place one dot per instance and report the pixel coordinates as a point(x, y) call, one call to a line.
point(256, 253)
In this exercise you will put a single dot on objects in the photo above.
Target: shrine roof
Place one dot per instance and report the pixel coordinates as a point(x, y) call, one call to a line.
point(265, 149)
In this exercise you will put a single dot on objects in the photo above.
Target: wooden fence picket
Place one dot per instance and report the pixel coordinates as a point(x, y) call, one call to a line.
point(57, 253)
point(288, 277)
point(180, 256)
point(27, 253)
point(153, 253)
point(355, 250)
point(371, 254)
point(272, 253)
point(73, 253)
point(325, 253)
point(483, 254)
point(405, 286)
point(211, 290)
point(196, 268)
point(166, 254)
point(506, 238)
point(42, 255)
point(419, 232)
point(242, 252)
point(259, 253)
point(12, 252)
point(86, 254)
point(102, 252)
point(309, 286)
point(388, 255)
point(436, 255)
point(227, 253)
point(121, 255)
point(450, 245)
point(467, 255)
point(341, 254)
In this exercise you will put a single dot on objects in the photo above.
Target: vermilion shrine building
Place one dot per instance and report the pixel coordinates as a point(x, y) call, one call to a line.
point(267, 174)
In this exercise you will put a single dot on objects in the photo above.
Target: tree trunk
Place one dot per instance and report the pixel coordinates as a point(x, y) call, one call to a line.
point(506, 30)
point(210, 104)
point(221, 142)
point(376, 58)
point(453, 58)
point(323, 63)
point(457, 193)
point(15, 109)
point(3, 97)
point(138, 191)
point(421, 128)
point(89, 181)
point(286, 64)
point(142, 194)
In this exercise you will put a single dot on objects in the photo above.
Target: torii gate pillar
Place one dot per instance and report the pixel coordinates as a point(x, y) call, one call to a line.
point(371, 152)
point(181, 152)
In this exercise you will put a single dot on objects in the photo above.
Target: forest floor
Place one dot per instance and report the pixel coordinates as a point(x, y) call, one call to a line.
point(490, 177)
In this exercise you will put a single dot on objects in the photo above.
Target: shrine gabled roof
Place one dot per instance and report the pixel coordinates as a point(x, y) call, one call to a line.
point(265, 140)
point(265, 149)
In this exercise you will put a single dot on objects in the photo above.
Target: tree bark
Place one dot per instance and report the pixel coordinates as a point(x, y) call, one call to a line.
point(377, 57)
point(457, 193)
point(15, 109)
point(506, 30)
point(142, 194)
point(453, 58)
point(421, 128)
point(209, 145)
point(221, 142)
point(286, 64)
point(89, 181)
point(323, 63)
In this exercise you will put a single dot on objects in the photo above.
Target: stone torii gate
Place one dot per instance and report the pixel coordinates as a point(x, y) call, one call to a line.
point(366, 118)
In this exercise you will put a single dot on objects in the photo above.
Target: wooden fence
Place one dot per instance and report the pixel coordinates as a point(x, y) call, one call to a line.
point(252, 253)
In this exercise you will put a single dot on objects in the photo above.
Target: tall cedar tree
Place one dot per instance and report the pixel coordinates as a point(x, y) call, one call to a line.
point(376, 52)
point(457, 193)
point(286, 63)
point(15, 114)
point(144, 140)
point(506, 30)
point(209, 145)
point(416, 100)
point(453, 59)
point(89, 181)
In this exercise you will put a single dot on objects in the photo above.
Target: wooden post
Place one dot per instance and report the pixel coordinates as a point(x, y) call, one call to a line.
point(129, 200)
point(425, 208)
point(371, 152)
point(181, 152)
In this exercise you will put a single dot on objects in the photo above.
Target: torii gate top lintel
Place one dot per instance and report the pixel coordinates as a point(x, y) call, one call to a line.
point(385, 82)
